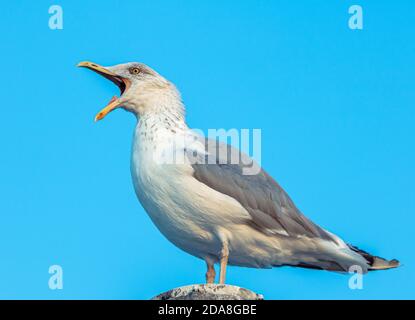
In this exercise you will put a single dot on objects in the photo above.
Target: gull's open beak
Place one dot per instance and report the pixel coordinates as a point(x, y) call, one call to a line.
point(121, 82)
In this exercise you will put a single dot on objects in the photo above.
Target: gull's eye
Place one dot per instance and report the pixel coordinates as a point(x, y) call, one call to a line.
point(134, 70)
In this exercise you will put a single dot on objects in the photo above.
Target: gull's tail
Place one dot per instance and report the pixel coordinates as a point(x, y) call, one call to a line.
point(375, 262)
point(340, 257)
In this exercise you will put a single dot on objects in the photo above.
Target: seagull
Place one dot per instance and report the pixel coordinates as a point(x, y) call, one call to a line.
point(204, 202)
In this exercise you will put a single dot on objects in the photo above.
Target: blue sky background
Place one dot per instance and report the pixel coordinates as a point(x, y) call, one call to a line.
point(336, 109)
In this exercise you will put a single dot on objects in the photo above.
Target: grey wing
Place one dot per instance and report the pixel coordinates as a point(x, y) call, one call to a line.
point(269, 205)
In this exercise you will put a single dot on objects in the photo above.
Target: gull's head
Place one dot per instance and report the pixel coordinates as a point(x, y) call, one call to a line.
point(142, 90)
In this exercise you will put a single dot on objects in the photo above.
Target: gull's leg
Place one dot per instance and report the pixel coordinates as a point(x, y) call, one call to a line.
point(210, 273)
point(223, 263)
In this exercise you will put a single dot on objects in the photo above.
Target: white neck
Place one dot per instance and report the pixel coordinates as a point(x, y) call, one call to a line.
point(156, 131)
point(153, 101)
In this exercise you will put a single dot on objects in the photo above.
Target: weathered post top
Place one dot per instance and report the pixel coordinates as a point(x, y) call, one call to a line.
point(209, 292)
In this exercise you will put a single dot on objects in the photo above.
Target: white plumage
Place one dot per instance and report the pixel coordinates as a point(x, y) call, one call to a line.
point(209, 208)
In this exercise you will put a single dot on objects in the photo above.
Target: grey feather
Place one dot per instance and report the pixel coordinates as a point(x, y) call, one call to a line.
point(269, 205)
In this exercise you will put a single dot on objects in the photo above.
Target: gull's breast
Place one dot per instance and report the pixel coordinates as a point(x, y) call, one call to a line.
point(173, 199)
point(187, 212)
